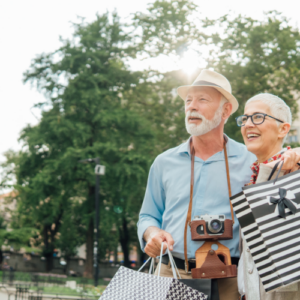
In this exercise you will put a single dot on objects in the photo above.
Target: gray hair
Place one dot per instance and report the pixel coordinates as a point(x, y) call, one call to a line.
point(222, 102)
point(278, 107)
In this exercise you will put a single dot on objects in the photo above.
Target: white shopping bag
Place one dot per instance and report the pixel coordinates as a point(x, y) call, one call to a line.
point(128, 284)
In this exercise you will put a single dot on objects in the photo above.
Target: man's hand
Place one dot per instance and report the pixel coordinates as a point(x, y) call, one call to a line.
point(291, 158)
point(154, 237)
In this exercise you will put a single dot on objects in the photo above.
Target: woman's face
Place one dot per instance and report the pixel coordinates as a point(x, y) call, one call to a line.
point(263, 139)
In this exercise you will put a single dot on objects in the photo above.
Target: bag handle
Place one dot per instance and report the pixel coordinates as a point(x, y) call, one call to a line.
point(171, 259)
point(172, 262)
point(189, 213)
point(274, 169)
point(151, 265)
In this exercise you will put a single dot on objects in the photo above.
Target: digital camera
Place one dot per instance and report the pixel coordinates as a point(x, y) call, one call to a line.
point(215, 227)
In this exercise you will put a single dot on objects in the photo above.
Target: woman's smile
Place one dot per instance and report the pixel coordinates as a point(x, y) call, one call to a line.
point(251, 136)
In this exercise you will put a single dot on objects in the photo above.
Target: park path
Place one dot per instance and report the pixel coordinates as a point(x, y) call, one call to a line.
point(4, 296)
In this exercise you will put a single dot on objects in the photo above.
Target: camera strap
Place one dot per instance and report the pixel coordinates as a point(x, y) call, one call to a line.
point(189, 213)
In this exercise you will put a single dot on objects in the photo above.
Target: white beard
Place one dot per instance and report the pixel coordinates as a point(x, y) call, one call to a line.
point(206, 125)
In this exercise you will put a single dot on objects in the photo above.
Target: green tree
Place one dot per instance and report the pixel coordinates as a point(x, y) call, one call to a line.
point(11, 234)
point(257, 56)
point(95, 106)
point(89, 91)
point(166, 27)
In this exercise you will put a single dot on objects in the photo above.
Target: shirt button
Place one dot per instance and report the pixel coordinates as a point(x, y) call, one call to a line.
point(250, 271)
point(248, 250)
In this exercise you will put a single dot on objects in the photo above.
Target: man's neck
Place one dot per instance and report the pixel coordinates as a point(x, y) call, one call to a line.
point(208, 144)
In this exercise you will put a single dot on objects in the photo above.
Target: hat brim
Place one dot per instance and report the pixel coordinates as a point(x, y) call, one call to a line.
point(183, 90)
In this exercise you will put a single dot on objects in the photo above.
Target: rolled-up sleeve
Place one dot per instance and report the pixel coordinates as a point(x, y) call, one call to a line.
point(153, 204)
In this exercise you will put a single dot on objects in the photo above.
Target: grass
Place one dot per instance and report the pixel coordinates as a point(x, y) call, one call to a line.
point(58, 290)
point(20, 276)
point(31, 250)
point(85, 286)
point(80, 281)
point(96, 291)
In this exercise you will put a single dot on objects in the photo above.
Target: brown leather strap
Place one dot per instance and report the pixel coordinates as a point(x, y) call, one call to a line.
point(189, 213)
point(228, 180)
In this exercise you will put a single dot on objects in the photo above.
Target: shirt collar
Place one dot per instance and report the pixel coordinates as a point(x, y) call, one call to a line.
point(184, 147)
point(231, 149)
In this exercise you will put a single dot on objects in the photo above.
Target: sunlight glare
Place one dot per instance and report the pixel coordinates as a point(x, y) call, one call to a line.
point(189, 63)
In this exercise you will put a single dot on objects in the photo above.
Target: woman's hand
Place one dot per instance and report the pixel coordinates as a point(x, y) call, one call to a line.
point(290, 158)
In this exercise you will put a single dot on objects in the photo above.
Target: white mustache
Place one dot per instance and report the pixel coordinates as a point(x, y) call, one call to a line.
point(194, 114)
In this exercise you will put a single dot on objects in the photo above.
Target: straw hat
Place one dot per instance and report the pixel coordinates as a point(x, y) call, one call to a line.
point(211, 79)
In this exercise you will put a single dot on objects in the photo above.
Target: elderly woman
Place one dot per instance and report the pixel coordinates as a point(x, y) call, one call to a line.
point(264, 126)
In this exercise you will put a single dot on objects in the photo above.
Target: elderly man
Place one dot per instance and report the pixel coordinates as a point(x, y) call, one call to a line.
point(208, 104)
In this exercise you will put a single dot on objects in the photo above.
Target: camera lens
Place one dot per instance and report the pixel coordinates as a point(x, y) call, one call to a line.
point(215, 226)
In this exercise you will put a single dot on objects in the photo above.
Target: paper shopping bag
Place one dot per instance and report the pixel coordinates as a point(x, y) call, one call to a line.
point(128, 284)
point(269, 215)
point(207, 286)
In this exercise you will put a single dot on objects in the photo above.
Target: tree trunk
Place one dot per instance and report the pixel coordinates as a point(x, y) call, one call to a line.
point(124, 241)
point(48, 250)
point(116, 255)
point(88, 270)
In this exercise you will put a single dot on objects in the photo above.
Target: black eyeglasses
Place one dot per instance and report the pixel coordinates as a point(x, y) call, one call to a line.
point(256, 119)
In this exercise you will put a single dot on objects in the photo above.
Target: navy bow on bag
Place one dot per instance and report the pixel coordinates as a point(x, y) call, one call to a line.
point(283, 203)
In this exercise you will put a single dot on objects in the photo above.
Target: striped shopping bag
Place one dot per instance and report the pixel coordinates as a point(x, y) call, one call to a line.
point(269, 216)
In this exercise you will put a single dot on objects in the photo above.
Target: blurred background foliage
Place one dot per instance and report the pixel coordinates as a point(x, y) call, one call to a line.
point(95, 105)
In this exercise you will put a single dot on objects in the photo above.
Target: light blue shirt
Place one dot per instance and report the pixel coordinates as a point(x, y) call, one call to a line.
point(168, 191)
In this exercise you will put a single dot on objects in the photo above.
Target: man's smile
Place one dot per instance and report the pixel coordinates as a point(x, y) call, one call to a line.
point(194, 119)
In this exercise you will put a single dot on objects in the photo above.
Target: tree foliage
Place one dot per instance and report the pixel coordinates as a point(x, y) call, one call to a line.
point(258, 57)
point(166, 27)
point(88, 89)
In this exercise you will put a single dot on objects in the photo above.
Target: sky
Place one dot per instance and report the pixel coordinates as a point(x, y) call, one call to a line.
point(32, 27)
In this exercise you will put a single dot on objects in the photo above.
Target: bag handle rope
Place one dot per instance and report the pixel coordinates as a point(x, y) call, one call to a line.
point(274, 169)
point(175, 271)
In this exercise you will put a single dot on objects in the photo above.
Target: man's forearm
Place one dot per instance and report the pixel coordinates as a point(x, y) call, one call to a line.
point(150, 232)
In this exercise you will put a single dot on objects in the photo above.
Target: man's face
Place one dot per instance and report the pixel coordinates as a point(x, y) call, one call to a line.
point(202, 110)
